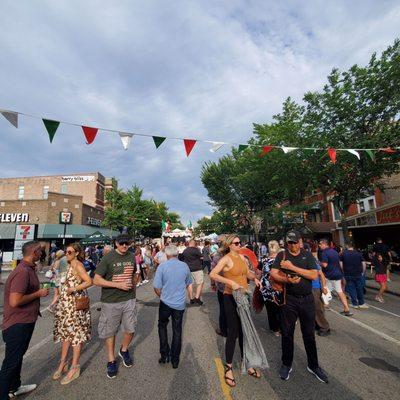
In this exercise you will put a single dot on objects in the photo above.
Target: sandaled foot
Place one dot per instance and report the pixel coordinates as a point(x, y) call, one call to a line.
point(230, 381)
point(254, 373)
point(63, 367)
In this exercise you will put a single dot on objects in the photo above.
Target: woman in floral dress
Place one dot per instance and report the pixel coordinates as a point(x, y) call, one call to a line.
point(72, 327)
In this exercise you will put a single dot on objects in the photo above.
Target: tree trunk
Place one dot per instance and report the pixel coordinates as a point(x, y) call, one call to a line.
point(345, 229)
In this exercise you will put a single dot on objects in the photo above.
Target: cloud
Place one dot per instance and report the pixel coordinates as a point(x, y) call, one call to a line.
point(183, 69)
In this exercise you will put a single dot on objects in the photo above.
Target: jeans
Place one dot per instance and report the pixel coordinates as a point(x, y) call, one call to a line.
point(273, 313)
point(302, 308)
point(164, 313)
point(207, 264)
point(222, 317)
point(16, 338)
point(355, 288)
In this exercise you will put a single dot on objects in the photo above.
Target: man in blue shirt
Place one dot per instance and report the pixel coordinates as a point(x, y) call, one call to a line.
point(330, 263)
point(170, 283)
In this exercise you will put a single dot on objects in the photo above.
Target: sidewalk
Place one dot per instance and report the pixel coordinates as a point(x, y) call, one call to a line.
point(393, 287)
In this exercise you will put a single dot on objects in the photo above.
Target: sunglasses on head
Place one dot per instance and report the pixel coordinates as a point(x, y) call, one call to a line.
point(236, 243)
point(124, 243)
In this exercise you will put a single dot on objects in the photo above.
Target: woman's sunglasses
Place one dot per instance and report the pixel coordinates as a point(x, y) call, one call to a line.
point(69, 252)
point(236, 243)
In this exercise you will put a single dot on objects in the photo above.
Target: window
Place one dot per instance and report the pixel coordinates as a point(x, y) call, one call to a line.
point(2, 204)
point(45, 192)
point(24, 203)
point(366, 204)
point(371, 204)
point(53, 203)
point(21, 191)
point(335, 212)
point(65, 200)
point(64, 188)
point(76, 205)
point(362, 207)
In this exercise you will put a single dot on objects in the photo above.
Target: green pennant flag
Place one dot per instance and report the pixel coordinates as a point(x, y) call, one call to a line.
point(163, 225)
point(371, 154)
point(51, 127)
point(158, 141)
point(242, 147)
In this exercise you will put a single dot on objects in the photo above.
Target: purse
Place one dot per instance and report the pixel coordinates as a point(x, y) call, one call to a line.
point(82, 303)
point(258, 301)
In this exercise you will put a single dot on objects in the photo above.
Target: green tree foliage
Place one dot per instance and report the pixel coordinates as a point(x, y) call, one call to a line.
point(357, 109)
point(141, 216)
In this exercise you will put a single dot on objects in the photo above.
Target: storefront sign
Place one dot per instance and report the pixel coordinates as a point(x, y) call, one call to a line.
point(14, 217)
point(93, 221)
point(389, 215)
point(65, 217)
point(76, 178)
point(23, 234)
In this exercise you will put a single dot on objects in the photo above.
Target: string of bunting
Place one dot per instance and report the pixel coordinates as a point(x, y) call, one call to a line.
point(90, 134)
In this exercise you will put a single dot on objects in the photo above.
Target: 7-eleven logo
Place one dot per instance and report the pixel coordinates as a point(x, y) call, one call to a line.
point(24, 231)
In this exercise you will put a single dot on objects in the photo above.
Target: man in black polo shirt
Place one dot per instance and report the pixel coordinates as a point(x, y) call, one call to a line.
point(300, 269)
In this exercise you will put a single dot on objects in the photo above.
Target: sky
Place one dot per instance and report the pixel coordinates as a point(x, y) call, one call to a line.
point(190, 69)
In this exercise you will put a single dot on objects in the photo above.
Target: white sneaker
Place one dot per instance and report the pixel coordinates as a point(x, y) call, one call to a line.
point(23, 389)
point(363, 306)
point(353, 306)
point(145, 281)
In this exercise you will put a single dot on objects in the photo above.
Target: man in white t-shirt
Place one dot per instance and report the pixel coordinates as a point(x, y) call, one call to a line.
point(160, 257)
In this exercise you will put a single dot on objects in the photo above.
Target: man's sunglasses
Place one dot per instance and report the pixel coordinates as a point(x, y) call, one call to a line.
point(124, 243)
point(236, 243)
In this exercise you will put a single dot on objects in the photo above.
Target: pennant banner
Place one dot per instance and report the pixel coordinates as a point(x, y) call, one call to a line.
point(388, 150)
point(90, 134)
point(356, 153)
point(158, 141)
point(189, 144)
point(242, 147)
point(332, 155)
point(371, 154)
point(216, 146)
point(51, 127)
point(11, 117)
point(266, 150)
point(288, 149)
point(126, 139)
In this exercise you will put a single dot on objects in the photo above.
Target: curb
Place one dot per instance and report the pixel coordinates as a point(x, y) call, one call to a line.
point(387, 291)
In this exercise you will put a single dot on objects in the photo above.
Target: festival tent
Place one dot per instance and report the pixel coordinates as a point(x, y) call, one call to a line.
point(212, 236)
point(96, 238)
point(178, 233)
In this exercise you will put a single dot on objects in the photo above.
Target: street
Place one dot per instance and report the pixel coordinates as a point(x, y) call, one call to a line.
point(361, 358)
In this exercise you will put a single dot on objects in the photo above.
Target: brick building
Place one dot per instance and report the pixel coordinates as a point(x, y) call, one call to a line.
point(38, 202)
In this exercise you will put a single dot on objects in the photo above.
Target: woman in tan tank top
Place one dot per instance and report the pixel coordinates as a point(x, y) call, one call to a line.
point(233, 272)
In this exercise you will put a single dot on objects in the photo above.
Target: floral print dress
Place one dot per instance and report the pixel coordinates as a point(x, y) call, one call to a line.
point(69, 324)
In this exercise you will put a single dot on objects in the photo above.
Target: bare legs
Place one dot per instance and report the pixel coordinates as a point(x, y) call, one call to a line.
point(110, 345)
point(343, 300)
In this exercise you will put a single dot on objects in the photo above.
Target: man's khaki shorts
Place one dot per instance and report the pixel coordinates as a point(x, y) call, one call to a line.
point(113, 315)
point(198, 277)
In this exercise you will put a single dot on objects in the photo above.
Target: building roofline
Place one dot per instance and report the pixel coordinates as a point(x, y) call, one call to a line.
point(54, 175)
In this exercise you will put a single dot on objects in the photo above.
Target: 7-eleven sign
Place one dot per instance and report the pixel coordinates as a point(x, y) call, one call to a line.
point(65, 217)
point(24, 232)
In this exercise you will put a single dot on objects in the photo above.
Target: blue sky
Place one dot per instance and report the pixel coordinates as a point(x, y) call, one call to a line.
point(195, 69)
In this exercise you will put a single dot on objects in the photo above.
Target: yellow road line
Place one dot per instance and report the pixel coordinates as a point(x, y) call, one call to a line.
point(221, 373)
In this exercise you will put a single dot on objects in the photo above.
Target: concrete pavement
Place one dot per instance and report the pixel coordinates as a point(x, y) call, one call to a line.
point(361, 357)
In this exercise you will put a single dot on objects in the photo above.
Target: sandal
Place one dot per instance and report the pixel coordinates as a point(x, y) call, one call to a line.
point(254, 373)
point(227, 369)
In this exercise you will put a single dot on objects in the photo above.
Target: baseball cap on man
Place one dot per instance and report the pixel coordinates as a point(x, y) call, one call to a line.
point(293, 236)
point(123, 238)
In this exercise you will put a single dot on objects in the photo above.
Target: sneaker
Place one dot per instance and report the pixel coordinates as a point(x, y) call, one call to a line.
point(319, 373)
point(112, 369)
point(23, 389)
point(346, 313)
point(284, 372)
point(363, 306)
point(354, 306)
point(146, 281)
point(198, 301)
point(324, 333)
point(192, 301)
point(126, 358)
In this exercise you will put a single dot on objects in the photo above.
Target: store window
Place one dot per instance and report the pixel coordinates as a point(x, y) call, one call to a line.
point(335, 212)
point(45, 192)
point(21, 192)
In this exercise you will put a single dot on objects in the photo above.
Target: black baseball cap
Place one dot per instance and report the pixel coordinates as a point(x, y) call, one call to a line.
point(123, 238)
point(293, 236)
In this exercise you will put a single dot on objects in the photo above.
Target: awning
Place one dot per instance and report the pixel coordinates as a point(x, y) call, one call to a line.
point(56, 231)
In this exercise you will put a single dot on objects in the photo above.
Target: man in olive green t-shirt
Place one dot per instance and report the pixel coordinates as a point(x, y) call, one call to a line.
point(116, 274)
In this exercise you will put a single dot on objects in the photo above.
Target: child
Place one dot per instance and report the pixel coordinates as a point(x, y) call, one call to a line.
point(380, 265)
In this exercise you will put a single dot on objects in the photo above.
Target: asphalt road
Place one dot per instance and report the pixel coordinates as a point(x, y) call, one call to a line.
point(361, 357)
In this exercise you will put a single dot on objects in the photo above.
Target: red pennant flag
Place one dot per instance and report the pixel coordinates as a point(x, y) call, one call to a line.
point(90, 133)
point(266, 149)
point(189, 144)
point(388, 150)
point(332, 155)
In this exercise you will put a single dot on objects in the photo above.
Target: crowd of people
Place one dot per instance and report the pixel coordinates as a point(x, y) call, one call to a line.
point(291, 281)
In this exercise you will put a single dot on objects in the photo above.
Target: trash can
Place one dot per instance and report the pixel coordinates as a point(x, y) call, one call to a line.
point(13, 264)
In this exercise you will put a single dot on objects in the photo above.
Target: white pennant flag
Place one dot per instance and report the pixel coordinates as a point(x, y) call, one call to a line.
point(11, 117)
point(288, 149)
point(216, 146)
point(356, 153)
point(126, 139)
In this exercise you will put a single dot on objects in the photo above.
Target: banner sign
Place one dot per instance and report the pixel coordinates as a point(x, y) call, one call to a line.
point(23, 234)
point(76, 178)
point(14, 217)
point(93, 221)
point(389, 215)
